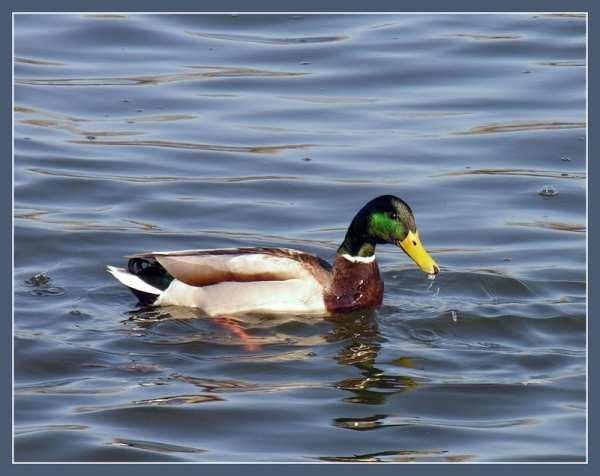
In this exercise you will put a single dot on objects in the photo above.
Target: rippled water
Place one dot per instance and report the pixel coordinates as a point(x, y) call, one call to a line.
point(143, 132)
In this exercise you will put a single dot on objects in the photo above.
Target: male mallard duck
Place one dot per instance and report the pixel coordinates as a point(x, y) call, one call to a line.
point(280, 280)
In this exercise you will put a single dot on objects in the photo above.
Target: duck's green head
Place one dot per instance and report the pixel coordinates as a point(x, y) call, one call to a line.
point(386, 219)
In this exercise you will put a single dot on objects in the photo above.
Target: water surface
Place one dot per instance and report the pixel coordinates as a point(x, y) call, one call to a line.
point(159, 132)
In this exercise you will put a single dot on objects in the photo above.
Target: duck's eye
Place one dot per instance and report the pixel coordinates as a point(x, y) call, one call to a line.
point(394, 216)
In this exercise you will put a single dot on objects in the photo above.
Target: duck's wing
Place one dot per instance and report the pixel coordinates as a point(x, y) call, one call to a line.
point(207, 267)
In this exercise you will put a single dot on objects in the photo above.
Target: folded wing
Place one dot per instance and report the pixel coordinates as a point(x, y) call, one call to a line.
point(207, 267)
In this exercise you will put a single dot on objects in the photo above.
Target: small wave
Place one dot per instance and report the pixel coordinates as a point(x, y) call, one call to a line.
point(384, 26)
point(22, 430)
point(383, 421)
point(270, 40)
point(90, 135)
point(37, 62)
point(154, 178)
point(266, 149)
point(215, 385)
point(157, 118)
point(562, 63)
point(157, 446)
point(332, 99)
point(174, 400)
point(219, 386)
point(520, 126)
point(55, 117)
point(564, 15)
point(427, 114)
point(212, 72)
point(551, 225)
point(519, 172)
point(66, 387)
point(178, 400)
point(399, 456)
point(481, 36)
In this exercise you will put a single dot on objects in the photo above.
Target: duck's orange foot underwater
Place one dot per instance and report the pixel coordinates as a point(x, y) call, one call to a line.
point(232, 326)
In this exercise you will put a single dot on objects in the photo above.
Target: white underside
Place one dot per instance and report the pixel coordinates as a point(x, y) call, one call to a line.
point(292, 296)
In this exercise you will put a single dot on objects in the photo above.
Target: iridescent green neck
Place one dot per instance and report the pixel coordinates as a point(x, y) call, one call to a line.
point(358, 240)
point(368, 228)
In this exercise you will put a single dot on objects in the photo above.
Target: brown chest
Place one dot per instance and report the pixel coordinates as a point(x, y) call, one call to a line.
point(354, 286)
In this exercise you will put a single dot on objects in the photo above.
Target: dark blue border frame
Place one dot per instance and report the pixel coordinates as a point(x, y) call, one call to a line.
point(272, 5)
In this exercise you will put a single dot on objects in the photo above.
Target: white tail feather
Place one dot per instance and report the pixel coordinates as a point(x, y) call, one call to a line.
point(132, 281)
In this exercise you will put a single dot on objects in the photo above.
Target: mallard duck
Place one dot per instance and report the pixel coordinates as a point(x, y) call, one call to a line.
point(280, 280)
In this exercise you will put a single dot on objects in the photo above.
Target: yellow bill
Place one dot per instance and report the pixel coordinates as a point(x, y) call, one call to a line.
point(412, 247)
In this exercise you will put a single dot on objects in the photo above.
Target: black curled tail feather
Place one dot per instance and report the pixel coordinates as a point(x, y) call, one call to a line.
point(151, 272)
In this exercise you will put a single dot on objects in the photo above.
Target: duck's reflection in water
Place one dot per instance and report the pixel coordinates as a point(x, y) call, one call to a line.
point(357, 333)
point(356, 337)
point(363, 343)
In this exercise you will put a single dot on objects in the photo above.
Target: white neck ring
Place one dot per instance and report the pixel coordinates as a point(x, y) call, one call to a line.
point(359, 259)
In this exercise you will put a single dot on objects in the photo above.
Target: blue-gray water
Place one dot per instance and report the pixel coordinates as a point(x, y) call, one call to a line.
point(164, 132)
